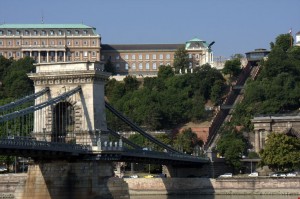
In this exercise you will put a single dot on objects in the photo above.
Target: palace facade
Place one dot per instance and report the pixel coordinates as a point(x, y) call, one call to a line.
point(50, 42)
point(47, 43)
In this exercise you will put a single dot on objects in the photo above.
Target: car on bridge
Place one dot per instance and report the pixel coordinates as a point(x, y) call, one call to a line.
point(226, 175)
point(254, 174)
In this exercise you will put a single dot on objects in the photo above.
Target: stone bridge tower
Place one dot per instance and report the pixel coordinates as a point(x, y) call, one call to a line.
point(81, 116)
point(76, 118)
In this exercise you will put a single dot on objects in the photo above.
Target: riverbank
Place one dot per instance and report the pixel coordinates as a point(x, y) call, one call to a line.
point(9, 183)
point(233, 186)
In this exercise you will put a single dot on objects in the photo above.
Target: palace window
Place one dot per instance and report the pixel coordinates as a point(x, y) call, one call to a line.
point(118, 65)
point(51, 32)
point(140, 57)
point(85, 53)
point(161, 63)
point(94, 53)
point(18, 54)
point(84, 43)
point(1, 43)
point(117, 57)
point(154, 56)
point(43, 32)
point(18, 32)
point(126, 57)
point(10, 54)
point(147, 66)
point(168, 56)
point(1, 32)
point(132, 56)
point(59, 42)
point(35, 43)
point(43, 42)
point(190, 56)
point(76, 32)
point(77, 54)
point(9, 32)
point(94, 42)
point(76, 43)
point(126, 66)
point(133, 66)
point(59, 32)
point(154, 66)
point(68, 43)
point(9, 43)
point(35, 32)
point(168, 64)
point(161, 56)
point(68, 32)
point(147, 56)
point(141, 66)
point(85, 32)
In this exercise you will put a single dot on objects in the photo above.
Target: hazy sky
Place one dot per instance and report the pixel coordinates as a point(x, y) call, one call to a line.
point(236, 26)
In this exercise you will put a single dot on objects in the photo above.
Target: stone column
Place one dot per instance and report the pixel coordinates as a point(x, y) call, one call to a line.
point(39, 52)
point(47, 52)
point(64, 56)
point(257, 141)
point(55, 52)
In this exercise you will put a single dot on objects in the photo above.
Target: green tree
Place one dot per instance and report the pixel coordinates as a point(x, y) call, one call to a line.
point(217, 91)
point(181, 60)
point(165, 72)
point(281, 152)
point(187, 140)
point(232, 67)
point(109, 67)
point(232, 146)
point(131, 83)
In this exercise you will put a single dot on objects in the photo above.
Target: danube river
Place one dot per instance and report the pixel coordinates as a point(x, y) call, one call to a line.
point(217, 197)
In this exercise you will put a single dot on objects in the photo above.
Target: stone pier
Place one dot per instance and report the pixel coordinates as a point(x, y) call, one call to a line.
point(76, 180)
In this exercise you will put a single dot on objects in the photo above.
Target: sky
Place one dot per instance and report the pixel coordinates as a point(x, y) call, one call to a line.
point(236, 26)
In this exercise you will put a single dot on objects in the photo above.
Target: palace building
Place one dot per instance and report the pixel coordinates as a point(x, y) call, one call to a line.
point(47, 43)
point(145, 59)
point(50, 42)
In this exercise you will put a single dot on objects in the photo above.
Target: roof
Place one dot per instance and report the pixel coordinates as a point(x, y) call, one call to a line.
point(38, 26)
point(120, 47)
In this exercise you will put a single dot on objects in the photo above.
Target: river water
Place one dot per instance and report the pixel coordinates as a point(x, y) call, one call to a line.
point(217, 197)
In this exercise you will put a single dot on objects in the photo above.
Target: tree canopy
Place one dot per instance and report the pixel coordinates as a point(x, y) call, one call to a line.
point(277, 87)
point(281, 152)
point(167, 100)
point(181, 60)
point(232, 145)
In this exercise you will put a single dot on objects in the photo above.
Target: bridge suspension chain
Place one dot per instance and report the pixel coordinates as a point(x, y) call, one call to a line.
point(138, 129)
point(31, 109)
point(23, 100)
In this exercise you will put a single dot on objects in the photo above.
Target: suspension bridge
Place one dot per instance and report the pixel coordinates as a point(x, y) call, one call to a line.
point(56, 123)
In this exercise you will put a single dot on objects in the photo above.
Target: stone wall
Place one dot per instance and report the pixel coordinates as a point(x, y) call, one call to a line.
point(213, 186)
point(9, 184)
point(119, 187)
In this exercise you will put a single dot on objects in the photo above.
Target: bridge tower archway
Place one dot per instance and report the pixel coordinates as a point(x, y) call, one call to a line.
point(63, 122)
